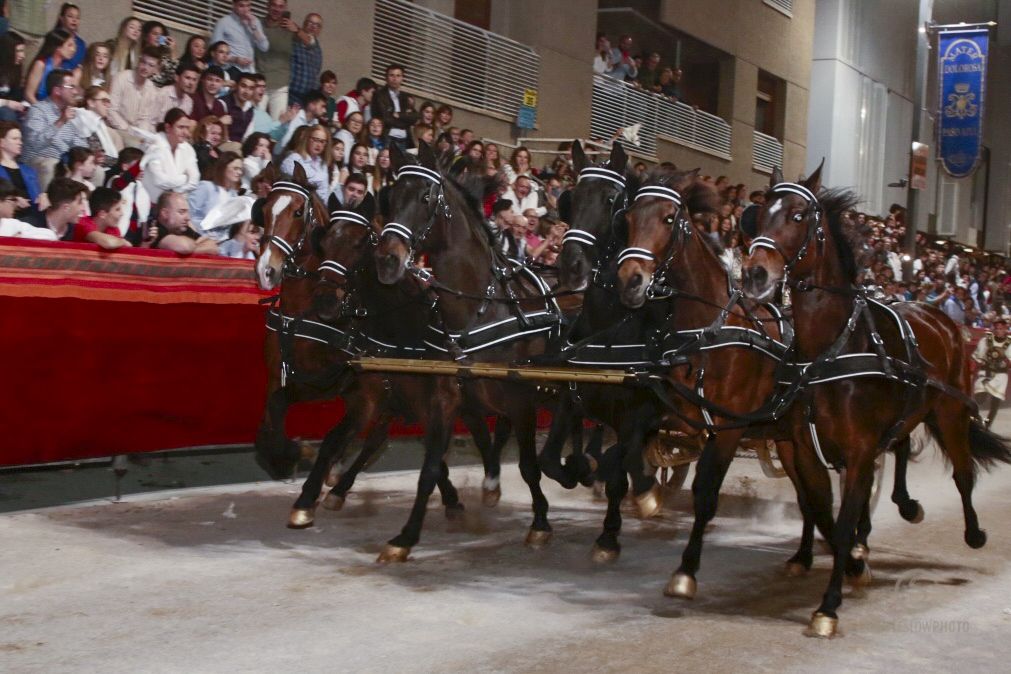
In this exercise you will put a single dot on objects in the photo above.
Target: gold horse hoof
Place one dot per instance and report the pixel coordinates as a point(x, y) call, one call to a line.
point(650, 503)
point(537, 539)
point(333, 502)
point(394, 554)
point(795, 570)
point(822, 626)
point(490, 497)
point(603, 555)
point(864, 579)
point(301, 518)
point(681, 586)
point(332, 477)
point(860, 551)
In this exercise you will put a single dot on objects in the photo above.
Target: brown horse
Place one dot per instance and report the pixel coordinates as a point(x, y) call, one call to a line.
point(875, 371)
point(485, 308)
point(668, 259)
point(314, 366)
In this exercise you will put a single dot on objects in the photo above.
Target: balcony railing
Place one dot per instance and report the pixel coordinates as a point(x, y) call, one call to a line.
point(192, 14)
point(452, 61)
point(767, 153)
point(616, 105)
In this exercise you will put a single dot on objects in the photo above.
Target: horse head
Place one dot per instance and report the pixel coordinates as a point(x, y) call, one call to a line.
point(346, 242)
point(658, 225)
point(788, 235)
point(288, 213)
point(590, 208)
point(414, 202)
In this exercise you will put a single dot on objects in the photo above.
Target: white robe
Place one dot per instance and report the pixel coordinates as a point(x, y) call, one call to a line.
point(994, 383)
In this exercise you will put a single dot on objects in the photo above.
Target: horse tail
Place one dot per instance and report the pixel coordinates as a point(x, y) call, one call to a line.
point(986, 447)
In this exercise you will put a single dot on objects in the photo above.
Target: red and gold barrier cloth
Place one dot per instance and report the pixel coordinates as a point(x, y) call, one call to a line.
point(130, 351)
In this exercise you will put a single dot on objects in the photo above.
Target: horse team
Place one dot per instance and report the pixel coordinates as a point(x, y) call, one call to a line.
point(639, 288)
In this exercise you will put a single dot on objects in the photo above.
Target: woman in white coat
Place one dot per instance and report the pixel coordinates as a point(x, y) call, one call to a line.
point(170, 164)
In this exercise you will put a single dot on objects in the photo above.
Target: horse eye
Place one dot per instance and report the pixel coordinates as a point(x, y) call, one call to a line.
point(669, 220)
point(798, 217)
point(610, 200)
point(298, 213)
point(424, 197)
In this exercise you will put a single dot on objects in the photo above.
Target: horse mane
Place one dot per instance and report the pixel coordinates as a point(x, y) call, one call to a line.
point(836, 204)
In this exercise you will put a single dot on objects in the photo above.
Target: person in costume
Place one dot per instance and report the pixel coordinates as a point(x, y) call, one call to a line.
point(993, 353)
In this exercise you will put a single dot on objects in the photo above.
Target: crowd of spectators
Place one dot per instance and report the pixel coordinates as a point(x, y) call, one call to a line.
point(642, 70)
point(136, 141)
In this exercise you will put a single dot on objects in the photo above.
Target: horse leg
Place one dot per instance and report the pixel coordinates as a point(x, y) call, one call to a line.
point(374, 441)
point(631, 441)
point(802, 560)
point(550, 458)
point(491, 490)
point(450, 497)
point(525, 424)
point(444, 403)
point(274, 452)
point(607, 548)
point(579, 464)
point(303, 511)
point(856, 494)
point(994, 406)
point(952, 431)
point(909, 508)
point(710, 471)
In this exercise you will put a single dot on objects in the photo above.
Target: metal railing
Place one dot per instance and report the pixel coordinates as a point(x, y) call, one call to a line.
point(616, 105)
point(766, 153)
point(784, 6)
point(195, 14)
point(452, 61)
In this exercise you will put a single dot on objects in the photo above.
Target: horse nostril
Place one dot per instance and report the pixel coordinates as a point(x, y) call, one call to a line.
point(635, 282)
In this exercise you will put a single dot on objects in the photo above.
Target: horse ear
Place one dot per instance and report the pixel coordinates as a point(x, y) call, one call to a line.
point(579, 160)
point(256, 212)
point(813, 181)
point(427, 158)
point(565, 206)
point(397, 158)
point(270, 173)
point(298, 173)
point(384, 203)
point(619, 160)
point(776, 178)
point(367, 207)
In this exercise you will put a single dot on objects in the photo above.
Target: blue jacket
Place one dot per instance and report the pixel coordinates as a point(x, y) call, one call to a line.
point(31, 180)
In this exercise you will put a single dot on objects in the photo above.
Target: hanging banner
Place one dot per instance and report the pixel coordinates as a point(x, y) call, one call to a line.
point(961, 68)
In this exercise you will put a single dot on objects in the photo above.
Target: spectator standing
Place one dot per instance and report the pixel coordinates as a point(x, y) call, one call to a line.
point(649, 73)
point(95, 69)
point(102, 226)
point(275, 63)
point(602, 57)
point(358, 100)
point(58, 47)
point(170, 164)
point(126, 49)
point(48, 132)
point(180, 94)
point(312, 153)
point(21, 175)
point(69, 19)
point(135, 98)
point(206, 101)
point(12, 91)
point(224, 180)
point(67, 205)
point(244, 34)
point(306, 60)
point(172, 230)
point(393, 106)
point(623, 63)
point(239, 105)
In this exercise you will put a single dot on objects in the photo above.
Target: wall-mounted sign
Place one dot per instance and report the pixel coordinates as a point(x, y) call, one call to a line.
point(961, 69)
